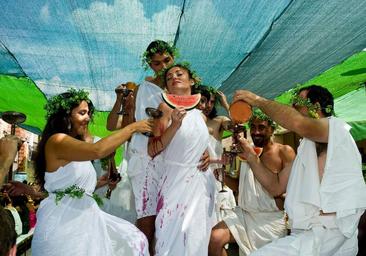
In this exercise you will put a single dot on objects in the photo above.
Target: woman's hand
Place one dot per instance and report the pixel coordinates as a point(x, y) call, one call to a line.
point(177, 117)
point(223, 100)
point(142, 126)
point(102, 181)
point(113, 183)
point(204, 161)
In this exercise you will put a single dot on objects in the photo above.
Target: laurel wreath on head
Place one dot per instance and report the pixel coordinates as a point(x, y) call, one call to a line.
point(161, 47)
point(258, 114)
point(62, 102)
point(313, 109)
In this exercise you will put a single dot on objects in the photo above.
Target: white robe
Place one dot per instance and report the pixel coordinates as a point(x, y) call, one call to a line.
point(143, 175)
point(257, 220)
point(186, 199)
point(77, 226)
point(342, 191)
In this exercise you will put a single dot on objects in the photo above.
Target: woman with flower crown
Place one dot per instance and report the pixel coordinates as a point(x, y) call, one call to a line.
point(185, 203)
point(69, 219)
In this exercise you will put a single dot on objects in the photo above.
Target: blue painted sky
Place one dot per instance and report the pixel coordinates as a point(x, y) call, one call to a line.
point(97, 45)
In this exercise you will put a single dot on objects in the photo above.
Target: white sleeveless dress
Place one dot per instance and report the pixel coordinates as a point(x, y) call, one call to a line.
point(186, 198)
point(78, 226)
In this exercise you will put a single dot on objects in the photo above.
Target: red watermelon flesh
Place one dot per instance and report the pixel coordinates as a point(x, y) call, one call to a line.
point(188, 102)
point(257, 150)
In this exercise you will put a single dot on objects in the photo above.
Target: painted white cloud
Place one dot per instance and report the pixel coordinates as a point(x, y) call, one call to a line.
point(52, 86)
point(125, 24)
point(45, 13)
point(63, 57)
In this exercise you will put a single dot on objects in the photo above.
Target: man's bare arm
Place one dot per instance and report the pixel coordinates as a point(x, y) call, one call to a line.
point(274, 183)
point(291, 119)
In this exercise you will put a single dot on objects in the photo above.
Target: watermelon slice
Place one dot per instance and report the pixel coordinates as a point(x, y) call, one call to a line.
point(187, 101)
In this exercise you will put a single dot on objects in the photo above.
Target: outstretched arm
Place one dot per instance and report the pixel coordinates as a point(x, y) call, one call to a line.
point(223, 101)
point(61, 147)
point(314, 129)
point(16, 188)
point(274, 183)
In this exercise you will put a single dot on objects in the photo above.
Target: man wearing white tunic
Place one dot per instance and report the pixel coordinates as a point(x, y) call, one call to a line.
point(259, 217)
point(326, 193)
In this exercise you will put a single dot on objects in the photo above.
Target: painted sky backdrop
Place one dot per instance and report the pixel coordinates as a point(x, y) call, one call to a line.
point(267, 46)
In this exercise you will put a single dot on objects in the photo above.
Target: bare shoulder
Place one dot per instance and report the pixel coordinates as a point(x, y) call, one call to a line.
point(287, 153)
point(56, 138)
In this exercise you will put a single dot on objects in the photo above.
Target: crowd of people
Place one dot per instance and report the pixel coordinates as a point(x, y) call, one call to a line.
point(308, 203)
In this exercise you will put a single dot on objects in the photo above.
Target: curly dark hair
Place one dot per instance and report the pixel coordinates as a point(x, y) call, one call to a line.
point(321, 95)
point(58, 122)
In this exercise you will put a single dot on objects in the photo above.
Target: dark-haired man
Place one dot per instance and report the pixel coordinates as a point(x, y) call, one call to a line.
point(326, 193)
point(259, 217)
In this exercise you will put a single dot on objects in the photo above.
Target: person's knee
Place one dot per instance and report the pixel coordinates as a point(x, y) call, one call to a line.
point(220, 235)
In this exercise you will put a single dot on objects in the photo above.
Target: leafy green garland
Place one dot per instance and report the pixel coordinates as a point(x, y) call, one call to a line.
point(60, 102)
point(75, 192)
point(161, 47)
point(257, 113)
point(312, 108)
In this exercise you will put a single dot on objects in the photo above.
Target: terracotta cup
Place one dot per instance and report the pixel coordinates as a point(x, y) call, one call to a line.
point(240, 112)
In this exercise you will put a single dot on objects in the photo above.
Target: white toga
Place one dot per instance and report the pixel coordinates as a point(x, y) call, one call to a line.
point(257, 220)
point(341, 191)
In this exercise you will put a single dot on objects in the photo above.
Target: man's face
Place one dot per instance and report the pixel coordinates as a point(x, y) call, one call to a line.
point(261, 132)
point(161, 61)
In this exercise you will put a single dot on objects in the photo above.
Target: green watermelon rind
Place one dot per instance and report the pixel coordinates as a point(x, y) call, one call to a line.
point(168, 101)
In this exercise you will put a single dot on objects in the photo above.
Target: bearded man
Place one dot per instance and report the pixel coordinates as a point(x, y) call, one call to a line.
point(259, 217)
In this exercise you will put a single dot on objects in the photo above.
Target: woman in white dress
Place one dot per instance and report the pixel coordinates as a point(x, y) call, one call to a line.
point(186, 196)
point(69, 221)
